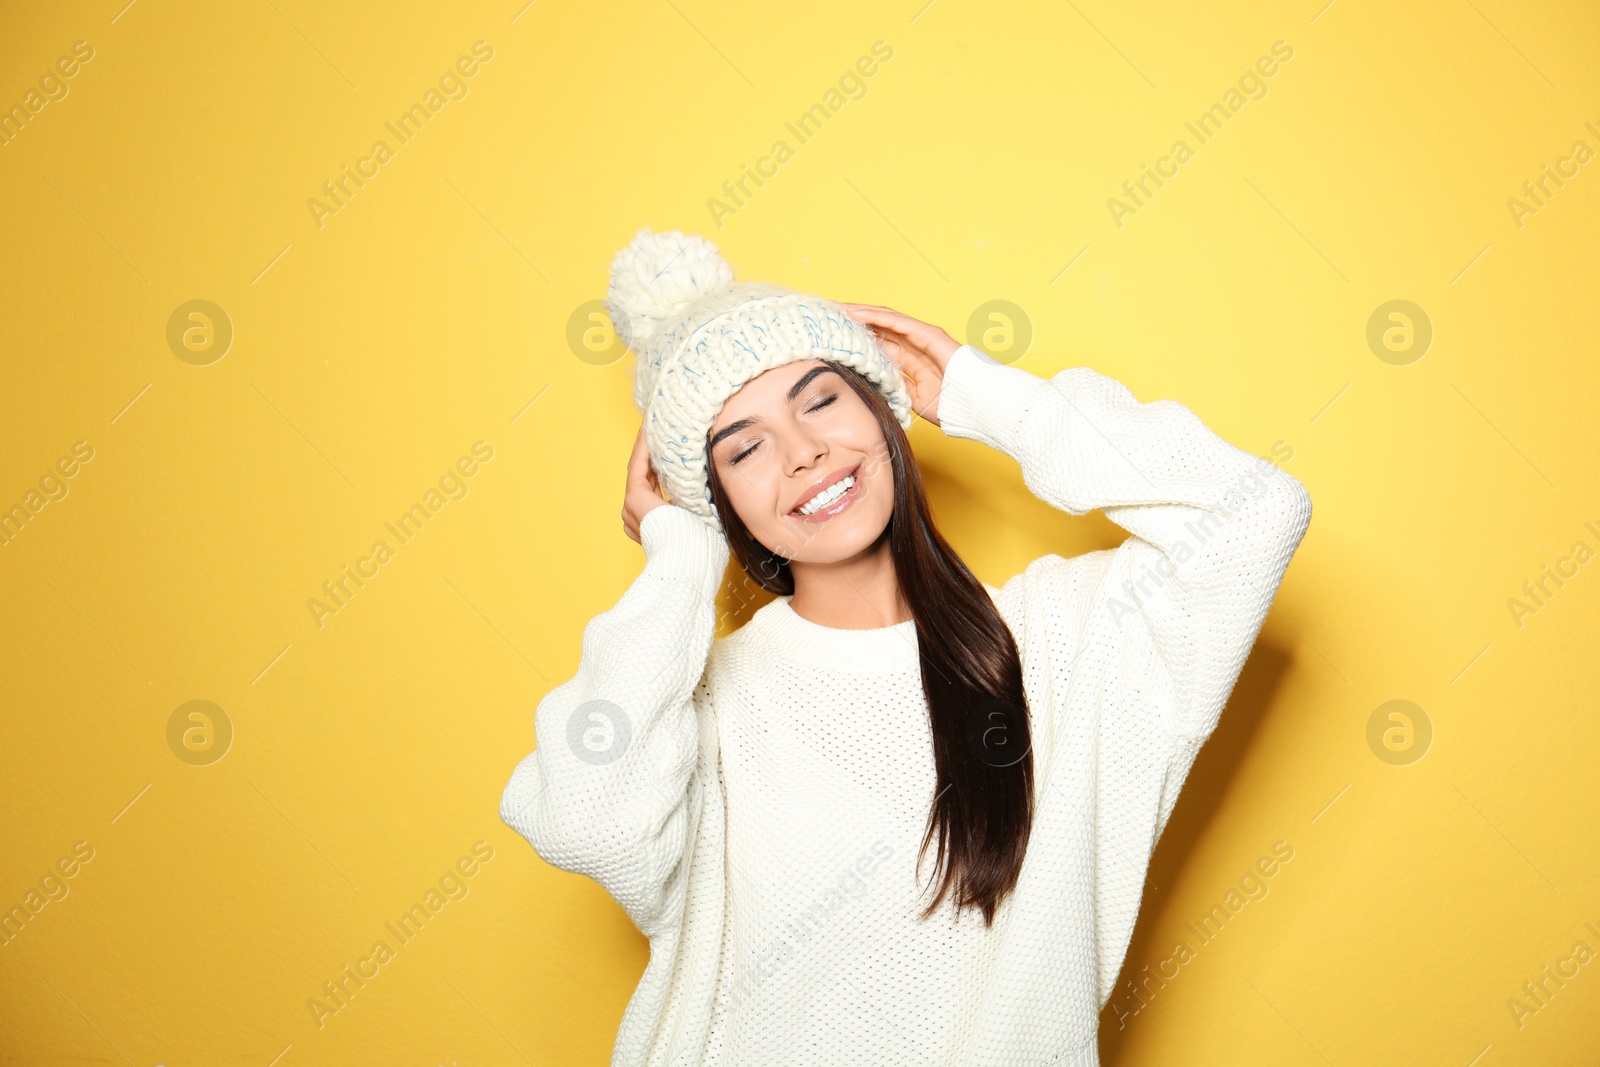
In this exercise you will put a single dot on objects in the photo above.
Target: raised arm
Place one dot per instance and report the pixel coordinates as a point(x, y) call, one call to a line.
point(1129, 654)
point(1134, 650)
point(607, 791)
point(1214, 526)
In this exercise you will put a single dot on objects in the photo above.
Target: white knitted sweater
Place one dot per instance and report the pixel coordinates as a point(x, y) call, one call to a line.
point(756, 803)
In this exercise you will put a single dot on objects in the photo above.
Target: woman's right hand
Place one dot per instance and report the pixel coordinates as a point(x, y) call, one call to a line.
point(643, 494)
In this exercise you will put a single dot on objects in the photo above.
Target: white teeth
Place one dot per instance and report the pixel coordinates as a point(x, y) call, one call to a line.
point(828, 495)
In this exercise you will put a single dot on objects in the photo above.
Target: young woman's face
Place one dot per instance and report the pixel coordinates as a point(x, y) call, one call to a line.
point(790, 433)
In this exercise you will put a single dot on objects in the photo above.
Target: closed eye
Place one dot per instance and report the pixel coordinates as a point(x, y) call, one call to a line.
point(830, 398)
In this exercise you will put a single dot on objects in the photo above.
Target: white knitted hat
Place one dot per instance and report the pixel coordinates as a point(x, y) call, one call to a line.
point(698, 336)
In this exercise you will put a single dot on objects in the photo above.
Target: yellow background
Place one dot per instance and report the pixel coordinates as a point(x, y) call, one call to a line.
point(433, 311)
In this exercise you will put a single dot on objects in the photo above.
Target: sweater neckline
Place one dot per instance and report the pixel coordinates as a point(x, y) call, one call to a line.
point(883, 646)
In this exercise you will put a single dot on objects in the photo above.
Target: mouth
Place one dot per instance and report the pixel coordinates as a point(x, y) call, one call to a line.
point(829, 499)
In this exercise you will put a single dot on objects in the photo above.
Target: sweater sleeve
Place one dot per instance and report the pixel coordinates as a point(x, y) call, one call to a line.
point(607, 791)
point(1213, 526)
point(1136, 649)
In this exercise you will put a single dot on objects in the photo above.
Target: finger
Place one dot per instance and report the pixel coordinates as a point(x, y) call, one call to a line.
point(883, 316)
point(914, 332)
point(889, 336)
point(888, 332)
point(902, 352)
point(907, 356)
point(908, 342)
point(639, 461)
point(861, 311)
point(879, 318)
point(876, 317)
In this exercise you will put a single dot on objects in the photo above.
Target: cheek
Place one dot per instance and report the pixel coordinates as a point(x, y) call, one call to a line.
point(860, 424)
point(750, 489)
point(882, 487)
point(871, 443)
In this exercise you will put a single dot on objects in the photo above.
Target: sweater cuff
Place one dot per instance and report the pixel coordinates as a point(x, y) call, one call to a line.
point(678, 542)
point(984, 400)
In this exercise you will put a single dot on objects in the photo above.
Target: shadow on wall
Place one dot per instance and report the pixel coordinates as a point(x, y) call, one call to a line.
point(1198, 804)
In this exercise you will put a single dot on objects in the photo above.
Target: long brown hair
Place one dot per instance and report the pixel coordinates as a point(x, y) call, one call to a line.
point(971, 674)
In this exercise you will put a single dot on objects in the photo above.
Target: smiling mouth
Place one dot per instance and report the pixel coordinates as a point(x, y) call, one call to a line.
point(832, 500)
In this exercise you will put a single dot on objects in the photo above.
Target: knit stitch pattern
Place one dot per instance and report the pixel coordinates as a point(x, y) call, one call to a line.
point(755, 803)
point(698, 336)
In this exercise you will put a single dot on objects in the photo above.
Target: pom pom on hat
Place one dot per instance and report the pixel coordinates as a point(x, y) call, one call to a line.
point(697, 336)
point(656, 277)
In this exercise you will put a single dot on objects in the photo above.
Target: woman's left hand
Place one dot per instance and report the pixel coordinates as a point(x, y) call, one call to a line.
point(920, 350)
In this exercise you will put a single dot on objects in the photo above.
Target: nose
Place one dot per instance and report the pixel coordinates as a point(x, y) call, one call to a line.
point(805, 449)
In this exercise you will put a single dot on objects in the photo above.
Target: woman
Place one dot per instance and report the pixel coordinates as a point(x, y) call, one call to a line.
point(762, 805)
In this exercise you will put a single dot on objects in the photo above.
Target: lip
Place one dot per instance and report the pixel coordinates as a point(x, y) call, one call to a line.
point(838, 505)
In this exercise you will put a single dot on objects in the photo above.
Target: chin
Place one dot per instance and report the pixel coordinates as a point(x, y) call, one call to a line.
point(838, 539)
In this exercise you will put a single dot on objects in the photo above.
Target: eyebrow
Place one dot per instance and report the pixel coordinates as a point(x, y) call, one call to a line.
point(794, 391)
